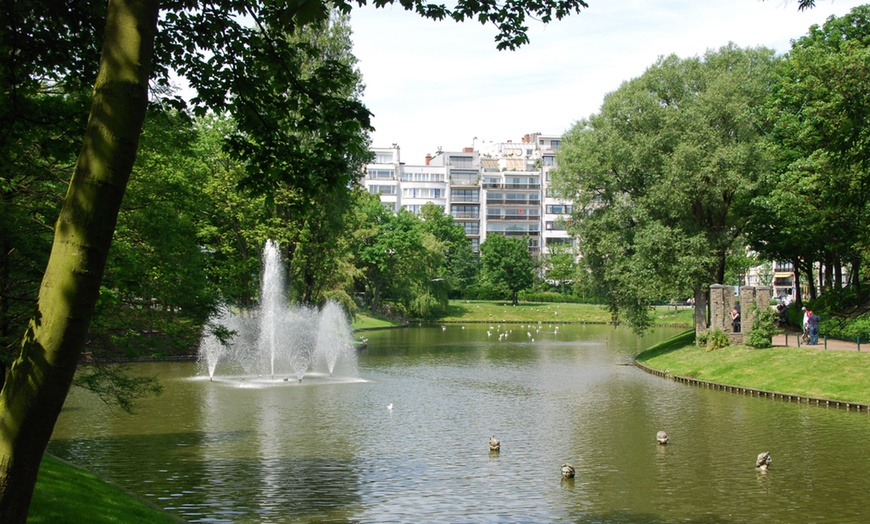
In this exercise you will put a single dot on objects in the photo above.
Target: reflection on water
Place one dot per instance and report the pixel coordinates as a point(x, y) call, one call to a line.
point(333, 452)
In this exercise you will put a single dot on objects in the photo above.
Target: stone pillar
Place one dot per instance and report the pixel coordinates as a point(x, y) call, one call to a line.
point(747, 300)
point(717, 308)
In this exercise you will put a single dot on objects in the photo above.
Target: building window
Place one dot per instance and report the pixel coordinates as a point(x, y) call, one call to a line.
point(784, 267)
point(559, 209)
point(382, 190)
point(548, 160)
point(380, 174)
point(462, 161)
point(384, 158)
point(465, 195)
point(459, 211)
point(471, 228)
point(422, 192)
point(513, 227)
point(422, 177)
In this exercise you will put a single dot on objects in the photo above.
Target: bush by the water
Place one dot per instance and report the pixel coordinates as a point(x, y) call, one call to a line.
point(713, 339)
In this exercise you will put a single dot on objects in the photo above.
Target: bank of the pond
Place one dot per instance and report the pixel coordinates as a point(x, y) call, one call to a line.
point(804, 375)
point(497, 311)
point(66, 494)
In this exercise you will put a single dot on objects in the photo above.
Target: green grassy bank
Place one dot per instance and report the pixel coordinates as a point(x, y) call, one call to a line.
point(66, 494)
point(501, 311)
point(834, 375)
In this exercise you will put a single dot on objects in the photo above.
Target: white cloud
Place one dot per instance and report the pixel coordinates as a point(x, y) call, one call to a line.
point(432, 84)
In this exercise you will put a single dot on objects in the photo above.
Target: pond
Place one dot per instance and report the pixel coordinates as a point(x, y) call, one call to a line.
point(333, 451)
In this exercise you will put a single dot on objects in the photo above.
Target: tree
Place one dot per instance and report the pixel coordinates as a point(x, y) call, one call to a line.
point(663, 176)
point(818, 106)
point(203, 41)
point(460, 263)
point(560, 267)
point(507, 264)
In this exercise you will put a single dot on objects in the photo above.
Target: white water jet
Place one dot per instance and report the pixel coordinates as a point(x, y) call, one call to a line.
point(275, 340)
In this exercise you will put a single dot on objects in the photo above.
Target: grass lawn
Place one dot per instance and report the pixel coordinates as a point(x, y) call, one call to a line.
point(503, 311)
point(369, 321)
point(66, 494)
point(834, 375)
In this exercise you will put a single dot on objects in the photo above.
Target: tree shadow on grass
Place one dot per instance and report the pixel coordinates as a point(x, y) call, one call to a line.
point(672, 344)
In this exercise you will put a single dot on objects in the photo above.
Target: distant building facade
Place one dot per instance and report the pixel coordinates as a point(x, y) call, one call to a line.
point(501, 188)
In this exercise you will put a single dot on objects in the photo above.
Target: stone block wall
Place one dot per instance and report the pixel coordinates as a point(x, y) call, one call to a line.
point(722, 301)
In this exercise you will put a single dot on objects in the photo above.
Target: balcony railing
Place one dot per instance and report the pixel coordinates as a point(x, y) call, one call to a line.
point(465, 214)
point(525, 218)
point(494, 202)
point(490, 185)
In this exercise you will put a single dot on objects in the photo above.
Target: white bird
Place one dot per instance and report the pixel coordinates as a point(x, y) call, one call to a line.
point(494, 444)
point(443, 328)
point(662, 437)
point(390, 406)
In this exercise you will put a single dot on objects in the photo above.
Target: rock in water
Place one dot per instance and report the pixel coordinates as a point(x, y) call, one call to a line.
point(662, 437)
point(567, 471)
point(494, 444)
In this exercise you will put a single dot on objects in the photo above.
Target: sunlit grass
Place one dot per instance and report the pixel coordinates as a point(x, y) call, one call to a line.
point(369, 321)
point(66, 494)
point(834, 375)
point(504, 311)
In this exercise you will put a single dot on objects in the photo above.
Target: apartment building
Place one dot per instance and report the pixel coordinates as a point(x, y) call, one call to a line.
point(497, 188)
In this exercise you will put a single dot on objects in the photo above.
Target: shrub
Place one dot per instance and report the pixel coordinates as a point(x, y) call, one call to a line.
point(760, 334)
point(713, 339)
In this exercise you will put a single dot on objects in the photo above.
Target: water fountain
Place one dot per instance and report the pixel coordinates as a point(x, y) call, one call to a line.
point(277, 341)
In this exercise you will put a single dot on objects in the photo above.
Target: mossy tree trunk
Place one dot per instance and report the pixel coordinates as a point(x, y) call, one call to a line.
point(38, 381)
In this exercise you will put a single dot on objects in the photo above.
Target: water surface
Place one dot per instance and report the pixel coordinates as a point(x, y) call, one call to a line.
point(331, 451)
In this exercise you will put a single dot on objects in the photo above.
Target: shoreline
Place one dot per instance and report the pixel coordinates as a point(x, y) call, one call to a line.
point(755, 392)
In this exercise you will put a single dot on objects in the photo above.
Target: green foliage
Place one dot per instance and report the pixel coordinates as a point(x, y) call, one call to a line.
point(713, 339)
point(530, 296)
point(507, 264)
point(817, 210)
point(760, 334)
point(663, 176)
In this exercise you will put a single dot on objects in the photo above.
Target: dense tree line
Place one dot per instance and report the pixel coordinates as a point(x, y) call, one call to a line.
point(704, 165)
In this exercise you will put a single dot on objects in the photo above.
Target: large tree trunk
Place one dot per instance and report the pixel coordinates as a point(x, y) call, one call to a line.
point(38, 381)
point(700, 309)
point(798, 294)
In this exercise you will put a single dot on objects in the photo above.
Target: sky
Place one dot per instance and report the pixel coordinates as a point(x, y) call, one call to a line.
point(445, 85)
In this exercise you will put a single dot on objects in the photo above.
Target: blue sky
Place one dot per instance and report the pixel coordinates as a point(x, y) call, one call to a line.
point(442, 84)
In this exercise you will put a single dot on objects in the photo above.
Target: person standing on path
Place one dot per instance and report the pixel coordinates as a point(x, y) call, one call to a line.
point(813, 323)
